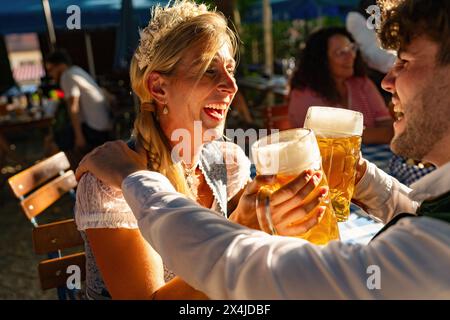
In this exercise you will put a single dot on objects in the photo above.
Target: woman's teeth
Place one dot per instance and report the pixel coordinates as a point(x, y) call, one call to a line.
point(217, 106)
point(216, 111)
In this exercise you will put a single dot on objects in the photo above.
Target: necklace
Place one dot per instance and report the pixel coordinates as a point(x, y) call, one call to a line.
point(189, 174)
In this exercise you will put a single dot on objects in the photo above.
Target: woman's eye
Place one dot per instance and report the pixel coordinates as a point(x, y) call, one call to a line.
point(210, 71)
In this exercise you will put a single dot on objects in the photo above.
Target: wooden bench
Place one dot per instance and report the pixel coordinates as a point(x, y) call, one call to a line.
point(51, 181)
point(37, 188)
point(54, 272)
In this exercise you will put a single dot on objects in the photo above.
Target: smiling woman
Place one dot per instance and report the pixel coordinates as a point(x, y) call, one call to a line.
point(183, 74)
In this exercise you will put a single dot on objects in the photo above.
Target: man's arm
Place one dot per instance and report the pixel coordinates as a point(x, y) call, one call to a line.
point(381, 195)
point(73, 105)
point(72, 93)
point(234, 262)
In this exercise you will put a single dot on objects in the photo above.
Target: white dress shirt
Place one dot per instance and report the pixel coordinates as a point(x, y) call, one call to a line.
point(411, 260)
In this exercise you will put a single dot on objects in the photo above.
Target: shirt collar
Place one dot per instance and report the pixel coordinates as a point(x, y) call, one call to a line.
point(432, 185)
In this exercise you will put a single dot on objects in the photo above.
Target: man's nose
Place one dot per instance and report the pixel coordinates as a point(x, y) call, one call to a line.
point(388, 82)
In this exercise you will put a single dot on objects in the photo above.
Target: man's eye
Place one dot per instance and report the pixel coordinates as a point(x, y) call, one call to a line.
point(401, 63)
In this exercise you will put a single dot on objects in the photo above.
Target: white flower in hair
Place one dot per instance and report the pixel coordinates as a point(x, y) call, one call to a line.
point(163, 20)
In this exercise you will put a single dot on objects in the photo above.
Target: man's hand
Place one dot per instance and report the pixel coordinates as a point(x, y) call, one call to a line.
point(112, 162)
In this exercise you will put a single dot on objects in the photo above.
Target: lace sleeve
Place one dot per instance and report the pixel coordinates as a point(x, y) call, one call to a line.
point(238, 168)
point(100, 206)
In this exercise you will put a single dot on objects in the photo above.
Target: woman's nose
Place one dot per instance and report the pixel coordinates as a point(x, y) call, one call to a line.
point(349, 54)
point(228, 83)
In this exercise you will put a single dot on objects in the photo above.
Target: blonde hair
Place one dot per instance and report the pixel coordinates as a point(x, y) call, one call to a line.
point(171, 32)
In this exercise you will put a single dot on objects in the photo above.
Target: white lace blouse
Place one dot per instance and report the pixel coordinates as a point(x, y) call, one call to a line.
point(226, 170)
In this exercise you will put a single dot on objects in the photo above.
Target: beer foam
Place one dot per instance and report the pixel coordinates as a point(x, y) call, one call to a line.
point(287, 152)
point(335, 121)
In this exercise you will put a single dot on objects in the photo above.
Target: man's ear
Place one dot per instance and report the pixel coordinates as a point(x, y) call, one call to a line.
point(156, 84)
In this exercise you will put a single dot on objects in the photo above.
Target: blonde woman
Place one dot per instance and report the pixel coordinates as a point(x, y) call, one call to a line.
point(182, 72)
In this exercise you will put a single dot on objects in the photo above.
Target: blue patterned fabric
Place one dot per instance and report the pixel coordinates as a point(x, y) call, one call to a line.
point(394, 165)
point(214, 170)
point(407, 173)
point(379, 154)
point(359, 228)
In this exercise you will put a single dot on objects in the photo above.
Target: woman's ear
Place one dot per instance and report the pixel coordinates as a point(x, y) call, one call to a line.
point(156, 84)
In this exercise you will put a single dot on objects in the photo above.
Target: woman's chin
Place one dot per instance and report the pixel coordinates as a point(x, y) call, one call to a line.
point(211, 134)
point(212, 128)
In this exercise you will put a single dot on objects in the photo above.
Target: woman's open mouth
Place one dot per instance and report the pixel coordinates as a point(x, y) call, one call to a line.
point(216, 111)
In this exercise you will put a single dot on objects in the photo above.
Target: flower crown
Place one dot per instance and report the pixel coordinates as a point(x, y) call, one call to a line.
point(163, 20)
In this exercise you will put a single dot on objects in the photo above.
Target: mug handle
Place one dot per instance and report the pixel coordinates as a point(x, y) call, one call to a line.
point(263, 212)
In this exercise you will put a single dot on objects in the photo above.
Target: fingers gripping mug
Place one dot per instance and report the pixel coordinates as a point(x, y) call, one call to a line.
point(285, 155)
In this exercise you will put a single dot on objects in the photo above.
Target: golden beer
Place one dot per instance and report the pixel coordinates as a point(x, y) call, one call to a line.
point(292, 152)
point(338, 133)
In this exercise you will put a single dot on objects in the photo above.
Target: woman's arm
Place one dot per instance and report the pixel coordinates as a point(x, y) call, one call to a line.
point(130, 268)
point(178, 289)
point(233, 202)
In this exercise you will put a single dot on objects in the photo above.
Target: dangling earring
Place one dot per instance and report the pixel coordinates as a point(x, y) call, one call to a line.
point(165, 109)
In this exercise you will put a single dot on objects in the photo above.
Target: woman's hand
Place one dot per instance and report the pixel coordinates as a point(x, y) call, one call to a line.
point(287, 205)
point(112, 162)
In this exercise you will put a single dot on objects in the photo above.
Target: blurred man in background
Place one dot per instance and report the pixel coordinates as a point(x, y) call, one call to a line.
point(87, 106)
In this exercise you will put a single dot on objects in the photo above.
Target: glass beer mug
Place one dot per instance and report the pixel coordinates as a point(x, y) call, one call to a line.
point(338, 132)
point(285, 155)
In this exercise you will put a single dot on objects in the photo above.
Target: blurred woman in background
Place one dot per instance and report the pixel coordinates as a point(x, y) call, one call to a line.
point(331, 72)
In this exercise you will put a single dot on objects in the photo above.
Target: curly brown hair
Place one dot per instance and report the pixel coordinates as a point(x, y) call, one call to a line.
point(403, 20)
point(313, 70)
